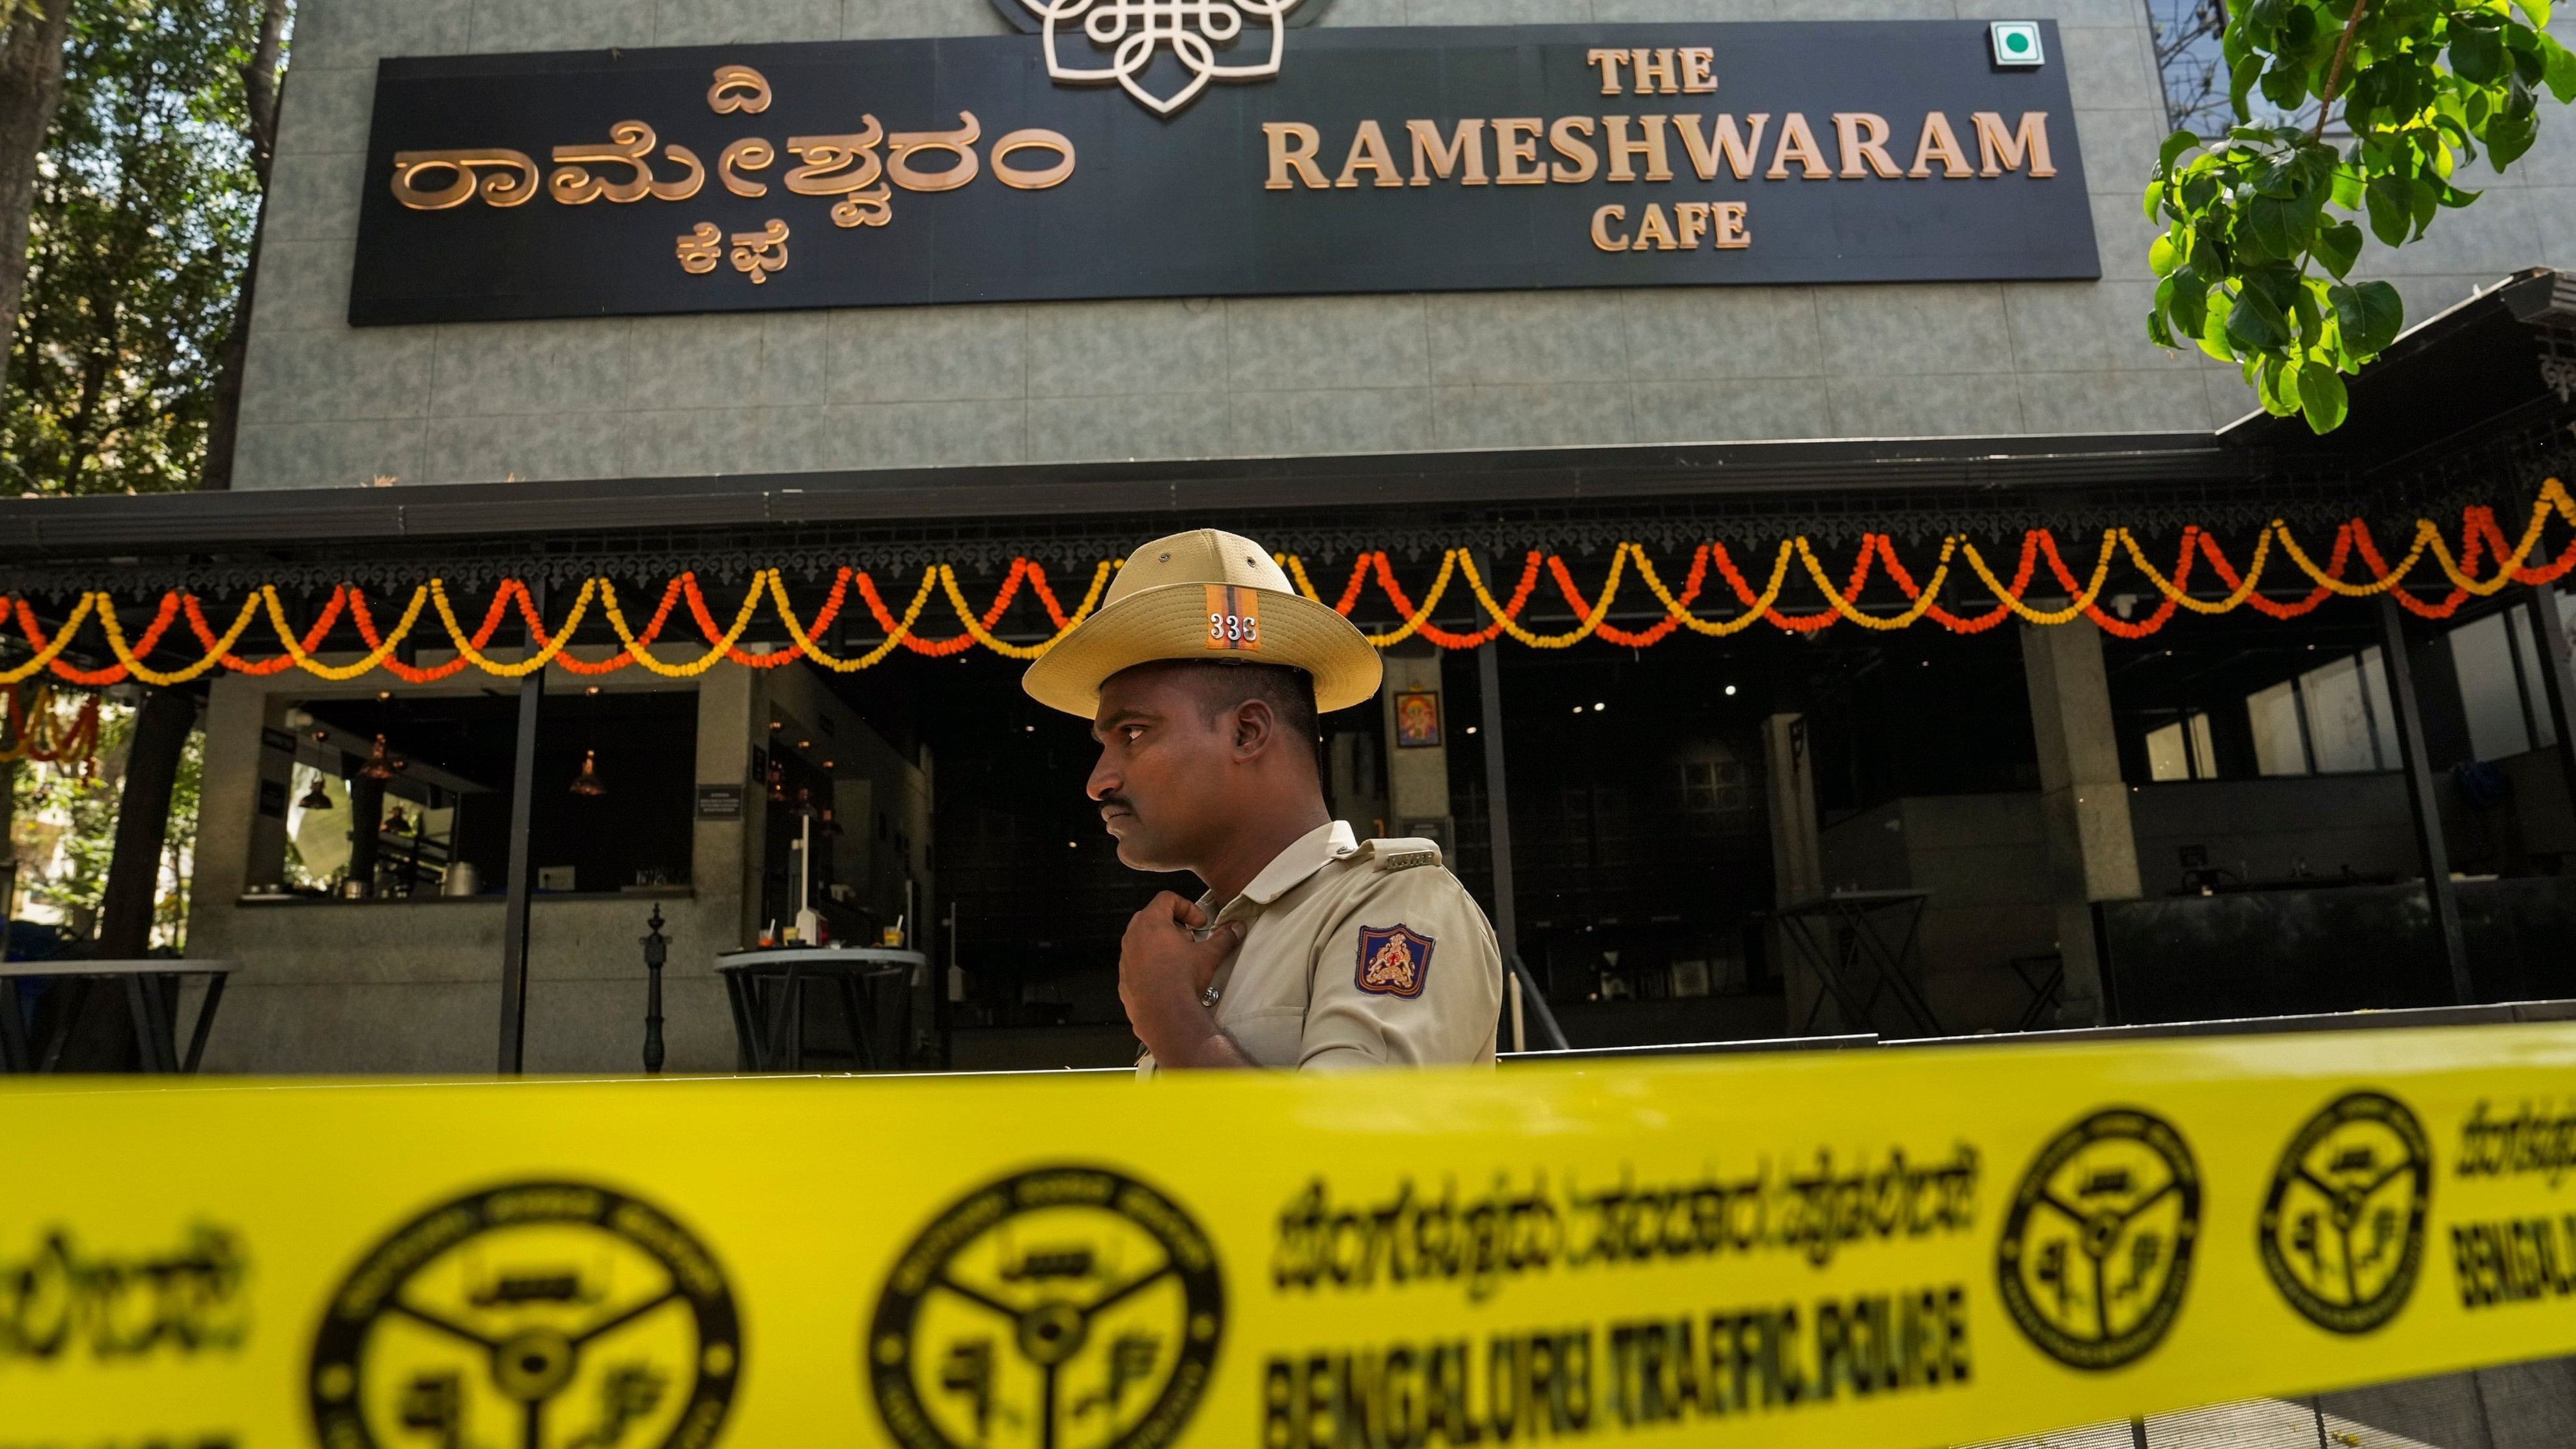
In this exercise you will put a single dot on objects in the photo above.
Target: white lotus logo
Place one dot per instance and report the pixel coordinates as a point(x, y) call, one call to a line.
point(1131, 31)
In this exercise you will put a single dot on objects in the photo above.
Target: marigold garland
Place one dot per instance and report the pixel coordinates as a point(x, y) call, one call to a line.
point(2485, 562)
point(31, 730)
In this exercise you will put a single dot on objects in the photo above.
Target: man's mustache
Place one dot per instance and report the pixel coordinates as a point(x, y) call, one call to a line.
point(1116, 802)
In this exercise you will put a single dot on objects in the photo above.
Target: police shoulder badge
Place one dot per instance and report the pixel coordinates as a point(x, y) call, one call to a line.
point(1394, 960)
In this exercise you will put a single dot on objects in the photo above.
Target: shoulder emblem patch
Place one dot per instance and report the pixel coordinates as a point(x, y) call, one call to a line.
point(1394, 960)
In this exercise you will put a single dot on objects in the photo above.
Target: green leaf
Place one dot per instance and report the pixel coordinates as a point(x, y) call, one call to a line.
point(2240, 84)
point(2391, 202)
point(2282, 227)
point(2561, 75)
point(2285, 84)
point(2508, 137)
point(2303, 36)
point(2371, 315)
point(2537, 10)
point(2339, 246)
point(2176, 146)
point(2277, 281)
point(2213, 337)
point(2307, 321)
point(2520, 99)
point(2185, 297)
point(2529, 66)
point(2278, 387)
point(2160, 256)
point(2477, 53)
point(2322, 397)
point(2255, 323)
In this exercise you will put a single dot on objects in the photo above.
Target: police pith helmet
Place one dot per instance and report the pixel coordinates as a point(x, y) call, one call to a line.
point(1211, 595)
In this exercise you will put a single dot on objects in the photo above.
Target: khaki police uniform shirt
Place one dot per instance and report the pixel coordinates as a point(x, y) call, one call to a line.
point(1357, 954)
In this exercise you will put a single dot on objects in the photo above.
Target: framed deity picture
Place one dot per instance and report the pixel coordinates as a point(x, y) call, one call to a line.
point(1417, 720)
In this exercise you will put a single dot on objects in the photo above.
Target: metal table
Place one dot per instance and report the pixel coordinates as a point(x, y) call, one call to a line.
point(1841, 933)
point(151, 996)
point(767, 991)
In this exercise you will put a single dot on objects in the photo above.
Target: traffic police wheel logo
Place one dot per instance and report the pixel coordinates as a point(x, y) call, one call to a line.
point(2342, 1232)
point(1062, 1308)
point(2096, 1252)
point(547, 1315)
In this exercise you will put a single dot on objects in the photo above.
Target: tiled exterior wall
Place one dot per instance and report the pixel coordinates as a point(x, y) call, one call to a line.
point(331, 406)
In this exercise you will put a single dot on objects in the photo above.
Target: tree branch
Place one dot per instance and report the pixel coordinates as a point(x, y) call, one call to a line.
point(2334, 73)
point(31, 86)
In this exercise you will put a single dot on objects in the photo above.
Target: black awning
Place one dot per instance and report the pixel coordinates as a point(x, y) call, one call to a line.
point(1045, 494)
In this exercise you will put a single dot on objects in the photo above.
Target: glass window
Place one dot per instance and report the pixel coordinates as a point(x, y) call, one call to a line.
point(2167, 757)
point(2279, 748)
point(2383, 715)
point(2182, 750)
point(415, 832)
point(2343, 737)
point(2333, 719)
point(2491, 691)
point(1712, 786)
point(436, 771)
point(2535, 688)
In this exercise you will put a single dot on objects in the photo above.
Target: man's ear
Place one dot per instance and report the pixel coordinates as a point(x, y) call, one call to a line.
point(1255, 728)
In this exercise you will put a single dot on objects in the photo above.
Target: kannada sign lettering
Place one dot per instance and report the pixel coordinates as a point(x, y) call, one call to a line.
point(879, 173)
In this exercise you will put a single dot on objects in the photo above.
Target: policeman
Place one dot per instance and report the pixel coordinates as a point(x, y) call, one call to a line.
point(1202, 674)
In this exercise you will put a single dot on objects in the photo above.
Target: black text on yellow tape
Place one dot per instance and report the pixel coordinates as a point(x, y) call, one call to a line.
point(1901, 1247)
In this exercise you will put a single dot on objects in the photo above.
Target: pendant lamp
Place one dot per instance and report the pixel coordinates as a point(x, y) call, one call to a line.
point(587, 782)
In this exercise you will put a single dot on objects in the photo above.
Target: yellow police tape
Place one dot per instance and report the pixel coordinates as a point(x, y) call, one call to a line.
point(1894, 1248)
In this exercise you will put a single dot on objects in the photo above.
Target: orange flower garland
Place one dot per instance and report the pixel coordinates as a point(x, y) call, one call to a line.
point(2485, 562)
point(31, 730)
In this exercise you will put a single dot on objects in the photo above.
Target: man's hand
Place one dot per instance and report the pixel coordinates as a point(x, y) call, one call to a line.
point(1162, 969)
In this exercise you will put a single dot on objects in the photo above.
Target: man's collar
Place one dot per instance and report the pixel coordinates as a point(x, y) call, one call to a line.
point(1304, 856)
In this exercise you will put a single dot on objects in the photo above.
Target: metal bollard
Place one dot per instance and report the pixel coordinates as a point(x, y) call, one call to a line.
point(656, 951)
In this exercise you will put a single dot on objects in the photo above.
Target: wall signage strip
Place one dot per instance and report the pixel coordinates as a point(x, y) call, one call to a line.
point(1087, 163)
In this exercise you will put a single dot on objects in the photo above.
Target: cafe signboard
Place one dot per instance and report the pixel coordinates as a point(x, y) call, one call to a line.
point(1161, 148)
